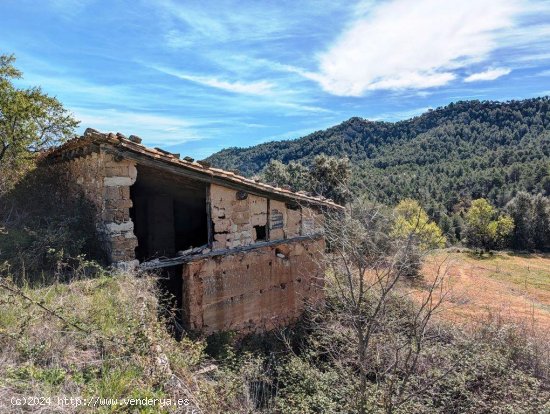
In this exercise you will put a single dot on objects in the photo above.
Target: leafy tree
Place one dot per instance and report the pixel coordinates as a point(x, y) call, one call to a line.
point(299, 177)
point(275, 173)
point(30, 121)
point(485, 228)
point(365, 273)
point(531, 216)
point(458, 225)
point(411, 219)
point(330, 177)
point(541, 222)
point(520, 209)
point(447, 227)
point(443, 158)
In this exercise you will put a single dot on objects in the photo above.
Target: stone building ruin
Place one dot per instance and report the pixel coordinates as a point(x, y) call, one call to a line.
point(243, 255)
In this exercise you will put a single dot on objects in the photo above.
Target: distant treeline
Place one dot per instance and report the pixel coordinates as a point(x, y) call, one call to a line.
point(444, 158)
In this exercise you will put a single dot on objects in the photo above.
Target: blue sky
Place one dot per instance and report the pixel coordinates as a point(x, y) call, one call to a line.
point(196, 77)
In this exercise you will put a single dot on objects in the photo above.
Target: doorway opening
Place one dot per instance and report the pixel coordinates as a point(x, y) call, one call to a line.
point(169, 213)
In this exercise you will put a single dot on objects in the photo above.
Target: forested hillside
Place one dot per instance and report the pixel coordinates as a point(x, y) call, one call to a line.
point(445, 157)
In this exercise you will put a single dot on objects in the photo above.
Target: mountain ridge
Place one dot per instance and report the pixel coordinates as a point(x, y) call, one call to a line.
point(470, 148)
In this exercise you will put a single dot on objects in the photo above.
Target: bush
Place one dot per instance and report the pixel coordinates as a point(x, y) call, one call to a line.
point(45, 231)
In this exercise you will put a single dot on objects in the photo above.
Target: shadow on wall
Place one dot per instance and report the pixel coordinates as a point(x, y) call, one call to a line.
point(169, 213)
point(48, 226)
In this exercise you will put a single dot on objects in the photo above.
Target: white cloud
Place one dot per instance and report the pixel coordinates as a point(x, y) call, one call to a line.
point(232, 21)
point(250, 88)
point(302, 107)
point(253, 88)
point(401, 44)
point(488, 75)
point(154, 129)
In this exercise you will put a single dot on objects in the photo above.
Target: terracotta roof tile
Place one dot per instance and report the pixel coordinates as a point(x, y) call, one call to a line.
point(118, 140)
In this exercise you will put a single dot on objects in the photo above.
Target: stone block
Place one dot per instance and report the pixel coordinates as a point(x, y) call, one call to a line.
point(240, 206)
point(219, 212)
point(117, 171)
point(258, 219)
point(125, 193)
point(117, 181)
point(220, 237)
point(132, 172)
point(241, 218)
point(114, 228)
point(113, 193)
point(222, 225)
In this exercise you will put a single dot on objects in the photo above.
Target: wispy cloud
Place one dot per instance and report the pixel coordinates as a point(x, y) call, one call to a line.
point(232, 21)
point(252, 88)
point(273, 95)
point(398, 45)
point(155, 129)
point(488, 75)
point(212, 74)
point(399, 115)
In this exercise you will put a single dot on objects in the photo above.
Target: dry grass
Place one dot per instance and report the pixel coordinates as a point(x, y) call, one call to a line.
point(513, 288)
point(108, 343)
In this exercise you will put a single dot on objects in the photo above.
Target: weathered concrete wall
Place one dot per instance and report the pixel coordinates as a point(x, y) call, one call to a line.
point(234, 216)
point(106, 183)
point(253, 291)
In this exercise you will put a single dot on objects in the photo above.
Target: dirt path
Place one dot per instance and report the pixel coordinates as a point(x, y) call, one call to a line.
point(511, 287)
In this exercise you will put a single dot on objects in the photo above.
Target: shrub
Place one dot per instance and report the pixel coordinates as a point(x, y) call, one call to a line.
point(46, 232)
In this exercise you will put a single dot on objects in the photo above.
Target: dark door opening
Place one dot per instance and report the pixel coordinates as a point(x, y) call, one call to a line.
point(169, 213)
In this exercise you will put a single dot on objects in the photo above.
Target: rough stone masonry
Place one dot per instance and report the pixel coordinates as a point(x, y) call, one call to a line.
point(255, 259)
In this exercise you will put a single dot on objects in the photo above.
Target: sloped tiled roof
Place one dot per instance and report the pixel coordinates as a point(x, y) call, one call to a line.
point(134, 145)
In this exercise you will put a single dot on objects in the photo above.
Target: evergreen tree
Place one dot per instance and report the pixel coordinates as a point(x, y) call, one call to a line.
point(330, 177)
point(275, 173)
point(520, 209)
point(541, 222)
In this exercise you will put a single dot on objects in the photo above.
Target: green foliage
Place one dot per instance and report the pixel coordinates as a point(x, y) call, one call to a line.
point(412, 220)
point(531, 215)
point(124, 352)
point(493, 368)
point(486, 229)
point(30, 121)
point(443, 158)
point(327, 176)
point(275, 173)
point(46, 233)
point(330, 177)
point(306, 389)
point(218, 345)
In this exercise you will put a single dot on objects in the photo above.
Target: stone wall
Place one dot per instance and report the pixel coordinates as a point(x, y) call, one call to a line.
point(235, 215)
point(106, 182)
point(238, 216)
point(284, 222)
point(256, 290)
